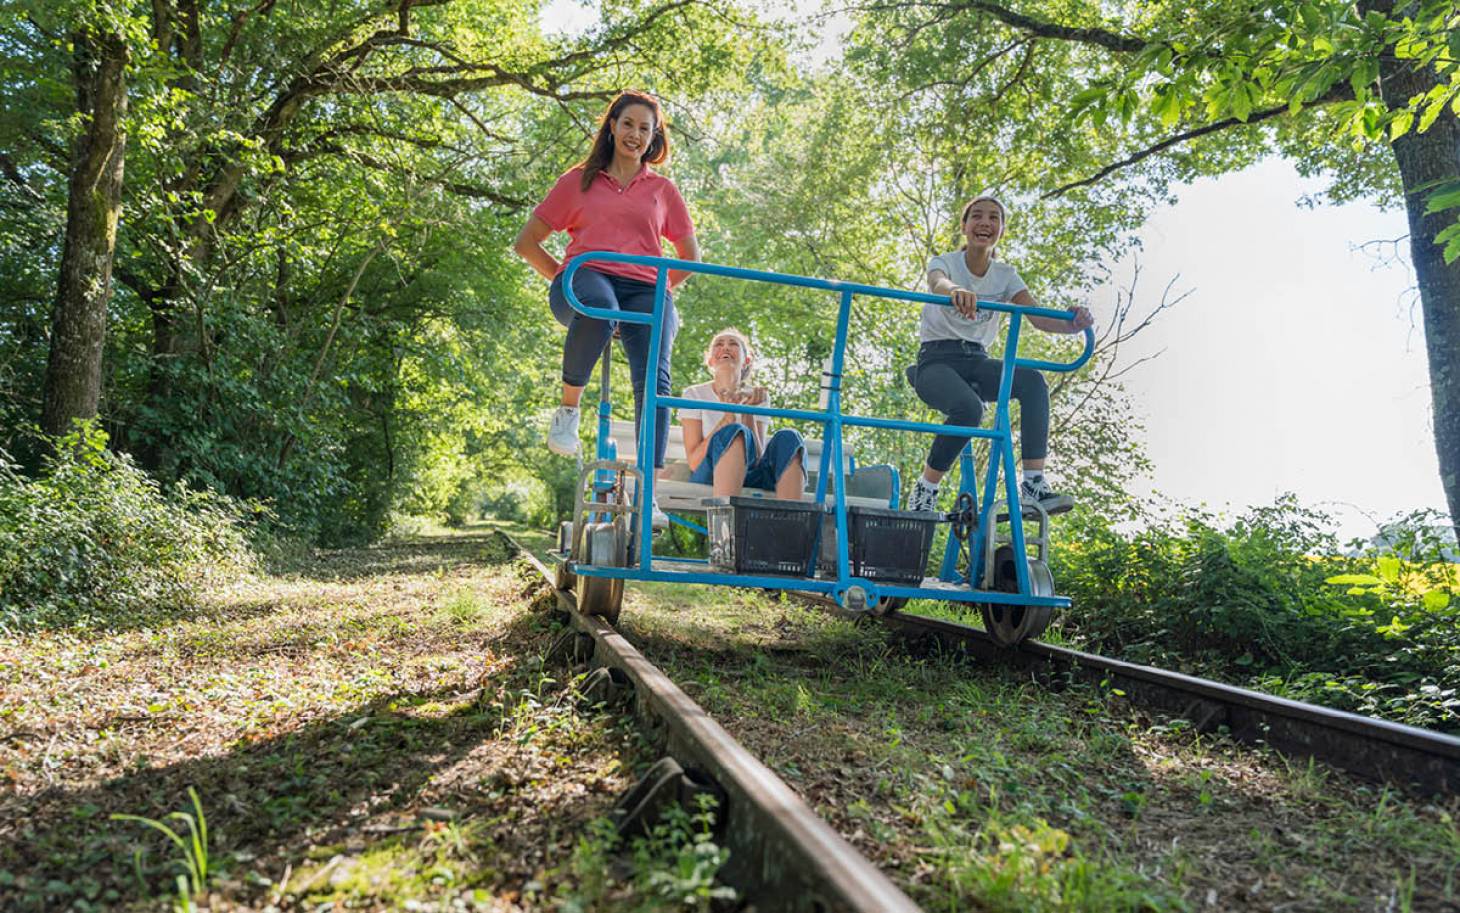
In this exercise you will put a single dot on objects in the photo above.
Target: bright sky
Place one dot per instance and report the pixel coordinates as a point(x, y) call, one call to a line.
point(1296, 364)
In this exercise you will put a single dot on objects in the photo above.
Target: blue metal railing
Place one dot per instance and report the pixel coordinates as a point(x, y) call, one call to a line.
point(833, 457)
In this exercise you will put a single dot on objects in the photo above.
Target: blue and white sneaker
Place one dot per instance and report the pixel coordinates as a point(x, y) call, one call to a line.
point(1037, 491)
point(922, 497)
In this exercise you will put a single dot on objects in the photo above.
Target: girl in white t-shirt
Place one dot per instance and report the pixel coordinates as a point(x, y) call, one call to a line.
point(728, 450)
point(955, 374)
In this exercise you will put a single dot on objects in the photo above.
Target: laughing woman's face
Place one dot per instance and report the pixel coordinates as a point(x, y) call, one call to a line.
point(726, 349)
point(984, 224)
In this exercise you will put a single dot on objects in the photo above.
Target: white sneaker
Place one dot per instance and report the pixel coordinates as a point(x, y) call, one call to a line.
point(658, 519)
point(563, 432)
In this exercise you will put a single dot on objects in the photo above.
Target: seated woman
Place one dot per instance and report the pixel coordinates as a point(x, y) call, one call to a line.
point(728, 450)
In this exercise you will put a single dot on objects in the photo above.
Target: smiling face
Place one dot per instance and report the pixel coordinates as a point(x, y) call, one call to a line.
point(633, 131)
point(983, 224)
point(728, 349)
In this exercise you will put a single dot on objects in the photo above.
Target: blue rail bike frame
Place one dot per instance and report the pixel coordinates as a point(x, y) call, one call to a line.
point(833, 459)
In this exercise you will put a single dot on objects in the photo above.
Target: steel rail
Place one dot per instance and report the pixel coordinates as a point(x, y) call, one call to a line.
point(1371, 748)
point(782, 856)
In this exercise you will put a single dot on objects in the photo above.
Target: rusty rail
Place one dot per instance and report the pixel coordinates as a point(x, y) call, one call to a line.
point(1375, 749)
point(782, 856)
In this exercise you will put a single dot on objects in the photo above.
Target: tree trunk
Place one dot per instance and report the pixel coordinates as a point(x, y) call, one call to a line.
point(78, 328)
point(1423, 159)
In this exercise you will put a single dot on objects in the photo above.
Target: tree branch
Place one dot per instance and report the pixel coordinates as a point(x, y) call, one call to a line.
point(1101, 37)
point(1338, 92)
point(9, 169)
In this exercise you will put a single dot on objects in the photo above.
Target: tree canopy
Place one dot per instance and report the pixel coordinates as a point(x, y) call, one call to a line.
point(311, 296)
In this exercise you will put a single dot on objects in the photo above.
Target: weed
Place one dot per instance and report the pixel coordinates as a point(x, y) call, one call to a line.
point(194, 849)
point(674, 866)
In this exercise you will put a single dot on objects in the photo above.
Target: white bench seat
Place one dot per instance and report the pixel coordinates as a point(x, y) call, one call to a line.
point(870, 486)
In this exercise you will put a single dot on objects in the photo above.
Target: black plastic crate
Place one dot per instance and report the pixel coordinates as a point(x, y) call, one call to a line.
point(884, 544)
point(762, 535)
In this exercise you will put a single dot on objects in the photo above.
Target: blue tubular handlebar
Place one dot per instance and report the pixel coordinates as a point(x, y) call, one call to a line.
point(830, 285)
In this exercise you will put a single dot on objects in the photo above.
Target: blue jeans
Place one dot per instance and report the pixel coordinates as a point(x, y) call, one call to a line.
point(761, 471)
point(587, 338)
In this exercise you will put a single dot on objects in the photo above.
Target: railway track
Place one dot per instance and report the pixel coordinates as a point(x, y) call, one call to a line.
point(1375, 749)
point(783, 857)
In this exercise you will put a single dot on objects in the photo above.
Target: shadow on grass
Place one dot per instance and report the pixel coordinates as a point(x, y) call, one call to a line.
point(409, 556)
point(268, 800)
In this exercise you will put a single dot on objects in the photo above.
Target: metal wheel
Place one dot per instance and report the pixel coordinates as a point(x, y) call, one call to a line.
point(891, 604)
point(1010, 624)
point(601, 596)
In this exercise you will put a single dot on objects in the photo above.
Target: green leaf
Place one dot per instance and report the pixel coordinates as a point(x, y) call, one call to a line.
point(1400, 125)
point(1354, 580)
point(1389, 568)
point(1436, 600)
point(1444, 196)
point(1431, 113)
point(1450, 238)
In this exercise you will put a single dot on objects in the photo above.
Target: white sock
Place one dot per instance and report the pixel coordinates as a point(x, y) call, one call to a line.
point(569, 408)
point(1033, 475)
point(927, 486)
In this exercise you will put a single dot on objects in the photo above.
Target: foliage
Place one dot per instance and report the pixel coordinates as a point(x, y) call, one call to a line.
point(95, 541)
point(811, 179)
point(674, 864)
point(1113, 104)
point(1272, 601)
point(315, 302)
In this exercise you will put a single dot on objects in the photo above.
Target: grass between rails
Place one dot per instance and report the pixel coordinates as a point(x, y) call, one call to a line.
point(377, 731)
point(980, 791)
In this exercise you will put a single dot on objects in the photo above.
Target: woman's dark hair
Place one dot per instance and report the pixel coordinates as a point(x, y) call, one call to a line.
point(602, 152)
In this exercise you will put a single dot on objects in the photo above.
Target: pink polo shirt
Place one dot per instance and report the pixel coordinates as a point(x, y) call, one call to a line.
point(626, 220)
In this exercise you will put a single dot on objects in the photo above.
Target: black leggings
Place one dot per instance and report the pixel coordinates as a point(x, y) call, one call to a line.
point(956, 378)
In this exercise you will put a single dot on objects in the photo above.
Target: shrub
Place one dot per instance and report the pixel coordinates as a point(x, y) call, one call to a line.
point(95, 541)
point(1272, 601)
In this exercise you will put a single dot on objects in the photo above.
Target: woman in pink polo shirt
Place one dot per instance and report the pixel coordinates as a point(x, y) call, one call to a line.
point(612, 201)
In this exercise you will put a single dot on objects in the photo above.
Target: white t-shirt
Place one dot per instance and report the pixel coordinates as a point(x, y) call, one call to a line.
point(1000, 283)
point(711, 417)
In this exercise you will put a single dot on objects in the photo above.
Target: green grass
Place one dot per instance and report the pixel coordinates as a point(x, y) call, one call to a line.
point(374, 728)
point(977, 789)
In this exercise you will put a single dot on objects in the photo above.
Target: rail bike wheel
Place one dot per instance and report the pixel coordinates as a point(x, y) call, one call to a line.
point(601, 596)
point(563, 577)
point(1007, 624)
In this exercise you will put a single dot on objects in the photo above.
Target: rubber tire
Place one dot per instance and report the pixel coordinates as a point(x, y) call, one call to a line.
point(1009, 625)
point(603, 596)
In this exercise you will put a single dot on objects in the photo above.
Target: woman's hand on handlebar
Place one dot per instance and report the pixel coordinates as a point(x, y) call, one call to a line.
point(964, 301)
point(1080, 318)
